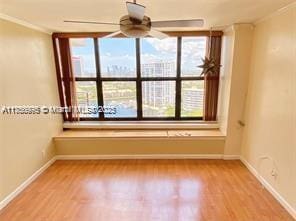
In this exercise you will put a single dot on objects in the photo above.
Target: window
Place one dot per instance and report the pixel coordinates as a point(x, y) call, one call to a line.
point(86, 95)
point(159, 98)
point(83, 57)
point(158, 57)
point(193, 51)
point(117, 57)
point(122, 96)
point(141, 79)
point(192, 98)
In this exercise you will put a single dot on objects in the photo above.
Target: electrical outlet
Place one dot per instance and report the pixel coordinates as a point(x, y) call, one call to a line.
point(273, 172)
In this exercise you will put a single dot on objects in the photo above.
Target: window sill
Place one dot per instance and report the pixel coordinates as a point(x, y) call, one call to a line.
point(142, 125)
point(141, 134)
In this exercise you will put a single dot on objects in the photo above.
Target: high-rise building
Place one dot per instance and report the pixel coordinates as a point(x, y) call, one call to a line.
point(158, 69)
point(158, 93)
point(192, 99)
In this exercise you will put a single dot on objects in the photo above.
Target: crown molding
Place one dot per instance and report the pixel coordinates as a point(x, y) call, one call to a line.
point(24, 23)
point(276, 13)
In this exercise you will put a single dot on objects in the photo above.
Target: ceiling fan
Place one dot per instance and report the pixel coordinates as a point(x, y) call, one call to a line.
point(137, 25)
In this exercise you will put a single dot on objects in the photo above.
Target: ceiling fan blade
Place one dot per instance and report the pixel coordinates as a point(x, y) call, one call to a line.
point(135, 10)
point(158, 34)
point(178, 23)
point(112, 34)
point(91, 22)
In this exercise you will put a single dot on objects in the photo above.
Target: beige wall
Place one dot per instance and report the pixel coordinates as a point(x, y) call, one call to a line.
point(236, 52)
point(271, 104)
point(225, 78)
point(138, 146)
point(27, 78)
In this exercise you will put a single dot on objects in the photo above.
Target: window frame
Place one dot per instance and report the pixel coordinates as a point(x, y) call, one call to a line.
point(138, 79)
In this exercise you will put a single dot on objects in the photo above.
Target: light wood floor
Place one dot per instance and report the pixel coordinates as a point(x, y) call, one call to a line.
point(140, 190)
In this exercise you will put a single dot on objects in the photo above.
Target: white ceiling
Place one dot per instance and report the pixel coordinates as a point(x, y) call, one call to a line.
point(49, 14)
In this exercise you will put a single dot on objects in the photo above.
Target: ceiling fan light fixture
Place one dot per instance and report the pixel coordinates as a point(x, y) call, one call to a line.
point(134, 29)
point(137, 25)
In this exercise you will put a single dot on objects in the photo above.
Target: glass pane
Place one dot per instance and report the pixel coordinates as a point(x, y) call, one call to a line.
point(86, 92)
point(83, 57)
point(118, 57)
point(193, 51)
point(192, 98)
point(158, 98)
point(122, 97)
point(158, 57)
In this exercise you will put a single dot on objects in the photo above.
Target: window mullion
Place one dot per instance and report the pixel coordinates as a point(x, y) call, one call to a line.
point(99, 80)
point(139, 81)
point(178, 81)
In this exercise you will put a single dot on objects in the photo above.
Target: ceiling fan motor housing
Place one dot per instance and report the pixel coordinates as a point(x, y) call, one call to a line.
point(135, 28)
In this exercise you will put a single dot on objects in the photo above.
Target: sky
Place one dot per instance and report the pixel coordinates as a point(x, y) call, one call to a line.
point(122, 52)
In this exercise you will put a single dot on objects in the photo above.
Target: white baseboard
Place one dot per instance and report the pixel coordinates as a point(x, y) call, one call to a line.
point(142, 156)
point(26, 183)
point(267, 185)
point(231, 157)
